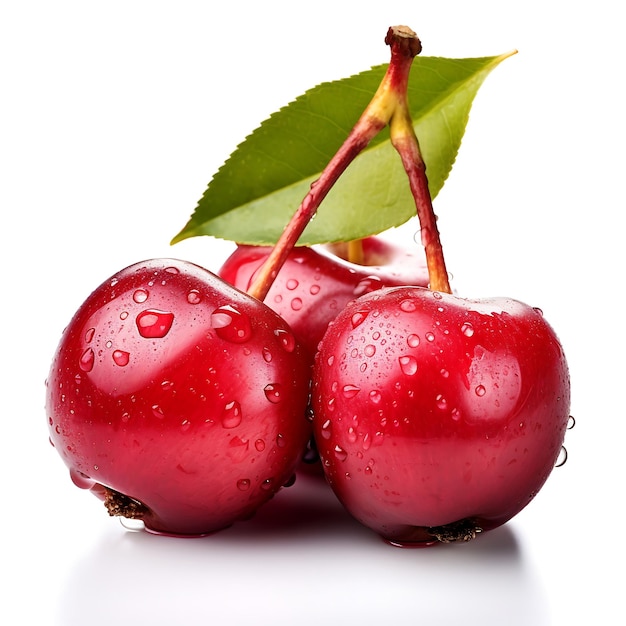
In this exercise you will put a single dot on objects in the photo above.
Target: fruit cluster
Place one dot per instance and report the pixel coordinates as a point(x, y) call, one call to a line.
point(187, 399)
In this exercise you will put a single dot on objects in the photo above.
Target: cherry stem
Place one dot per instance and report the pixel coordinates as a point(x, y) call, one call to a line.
point(389, 106)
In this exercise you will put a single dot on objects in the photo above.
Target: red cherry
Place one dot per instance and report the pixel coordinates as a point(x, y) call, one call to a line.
point(314, 284)
point(178, 399)
point(435, 416)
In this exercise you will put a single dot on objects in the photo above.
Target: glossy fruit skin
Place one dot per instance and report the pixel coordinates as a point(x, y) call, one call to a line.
point(430, 410)
point(316, 283)
point(181, 392)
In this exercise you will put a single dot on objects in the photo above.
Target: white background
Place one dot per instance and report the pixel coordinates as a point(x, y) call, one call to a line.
point(113, 117)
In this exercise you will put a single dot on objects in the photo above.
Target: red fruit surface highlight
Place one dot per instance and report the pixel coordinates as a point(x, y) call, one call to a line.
point(178, 399)
point(315, 284)
point(437, 417)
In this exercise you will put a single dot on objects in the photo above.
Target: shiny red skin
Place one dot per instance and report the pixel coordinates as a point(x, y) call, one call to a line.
point(430, 409)
point(316, 283)
point(181, 392)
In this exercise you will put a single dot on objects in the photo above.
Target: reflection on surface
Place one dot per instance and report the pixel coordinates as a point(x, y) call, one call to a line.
point(302, 560)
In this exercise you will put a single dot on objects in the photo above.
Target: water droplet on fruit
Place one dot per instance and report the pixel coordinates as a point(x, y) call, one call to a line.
point(480, 391)
point(562, 458)
point(194, 297)
point(121, 358)
point(444, 373)
point(437, 295)
point(456, 414)
point(370, 283)
point(280, 440)
point(267, 355)
point(243, 484)
point(267, 484)
point(370, 350)
point(314, 290)
point(326, 429)
point(349, 391)
point(413, 341)
point(408, 306)
point(467, 329)
point(259, 444)
point(123, 315)
point(230, 324)
point(141, 295)
point(296, 304)
point(273, 392)
point(81, 480)
point(157, 411)
point(442, 403)
point(340, 453)
point(287, 340)
point(351, 435)
point(89, 333)
point(571, 422)
point(291, 284)
point(408, 365)
point(231, 415)
point(375, 396)
point(132, 525)
point(87, 360)
point(430, 336)
point(154, 324)
point(536, 309)
point(358, 318)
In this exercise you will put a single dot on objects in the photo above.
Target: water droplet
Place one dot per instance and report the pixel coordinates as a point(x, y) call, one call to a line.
point(480, 391)
point(185, 426)
point(370, 350)
point(121, 358)
point(330, 360)
point(273, 392)
point(365, 285)
point(231, 325)
point(413, 341)
point(368, 470)
point(408, 306)
point(430, 336)
point(194, 297)
point(87, 360)
point(154, 324)
point(351, 435)
point(141, 295)
point(326, 429)
point(267, 484)
point(467, 329)
point(562, 458)
point(89, 333)
point(437, 295)
point(231, 415)
point(123, 315)
point(172, 270)
point(349, 391)
point(444, 373)
point(456, 414)
point(81, 480)
point(340, 453)
point(287, 340)
point(375, 396)
point(157, 411)
point(442, 403)
point(125, 417)
point(314, 290)
point(259, 444)
point(108, 345)
point(358, 318)
point(243, 484)
point(296, 304)
point(267, 355)
point(571, 422)
point(408, 365)
point(280, 440)
point(166, 385)
point(538, 310)
point(291, 284)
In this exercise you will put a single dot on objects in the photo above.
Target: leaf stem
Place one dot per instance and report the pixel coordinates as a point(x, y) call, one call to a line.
point(388, 107)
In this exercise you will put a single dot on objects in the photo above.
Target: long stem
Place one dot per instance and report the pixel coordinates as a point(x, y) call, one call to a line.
point(388, 106)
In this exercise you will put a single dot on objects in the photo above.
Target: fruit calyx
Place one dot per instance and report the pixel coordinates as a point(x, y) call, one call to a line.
point(119, 505)
point(388, 107)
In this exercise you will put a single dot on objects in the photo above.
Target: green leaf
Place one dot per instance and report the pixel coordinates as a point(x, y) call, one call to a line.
point(254, 194)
